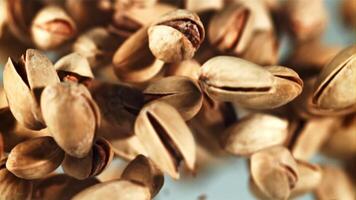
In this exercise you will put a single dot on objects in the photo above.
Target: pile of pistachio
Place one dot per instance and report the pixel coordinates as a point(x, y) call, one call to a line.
point(165, 83)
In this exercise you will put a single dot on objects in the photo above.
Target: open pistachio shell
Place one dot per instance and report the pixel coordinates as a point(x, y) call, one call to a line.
point(74, 64)
point(35, 158)
point(167, 141)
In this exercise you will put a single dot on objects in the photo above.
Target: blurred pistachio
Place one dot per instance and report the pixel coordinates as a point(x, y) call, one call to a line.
point(335, 184)
point(74, 67)
point(113, 190)
point(3, 100)
point(189, 68)
point(35, 158)
point(52, 27)
point(60, 187)
point(97, 45)
point(349, 12)
point(128, 147)
point(3, 16)
point(310, 176)
point(143, 170)
point(180, 92)
point(306, 19)
point(93, 164)
point(121, 5)
point(255, 132)
point(23, 84)
point(200, 6)
point(89, 13)
point(72, 117)
point(176, 36)
point(274, 171)
point(126, 22)
point(133, 61)
point(12, 187)
point(334, 90)
point(167, 142)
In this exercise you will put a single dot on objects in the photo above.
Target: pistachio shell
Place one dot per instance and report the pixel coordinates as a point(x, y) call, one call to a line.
point(310, 176)
point(128, 148)
point(35, 158)
point(189, 68)
point(76, 64)
point(203, 5)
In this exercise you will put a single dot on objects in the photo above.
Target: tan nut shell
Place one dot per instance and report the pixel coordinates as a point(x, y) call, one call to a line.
point(74, 63)
point(310, 176)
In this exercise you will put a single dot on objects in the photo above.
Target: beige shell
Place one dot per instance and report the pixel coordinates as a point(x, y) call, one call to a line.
point(167, 141)
point(71, 116)
point(74, 63)
point(201, 6)
point(35, 158)
point(310, 176)
point(189, 68)
point(128, 147)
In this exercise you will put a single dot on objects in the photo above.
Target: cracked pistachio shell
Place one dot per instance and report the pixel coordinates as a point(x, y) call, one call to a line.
point(167, 141)
point(143, 170)
point(113, 190)
point(310, 176)
point(61, 187)
point(12, 187)
point(75, 65)
point(255, 132)
point(335, 184)
point(226, 78)
point(52, 27)
point(274, 171)
point(334, 90)
point(128, 148)
point(93, 164)
point(71, 117)
point(180, 92)
point(35, 158)
point(133, 61)
point(260, 13)
point(176, 36)
point(23, 83)
point(189, 68)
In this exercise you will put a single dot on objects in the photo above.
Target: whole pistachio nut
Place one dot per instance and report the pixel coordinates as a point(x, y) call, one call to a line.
point(143, 170)
point(113, 190)
point(349, 12)
point(180, 92)
point(306, 19)
point(23, 84)
point(176, 36)
point(255, 132)
point(335, 184)
point(134, 62)
point(61, 187)
point(201, 6)
point(12, 187)
point(93, 164)
point(74, 67)
point(97, 45)
point(189, 68)
point(35, 158)
point(310, 176)
point(71, 116)
point(52, 27)
point(128, 147)
point(167, 142)
point(334, 89)
point(274, 171)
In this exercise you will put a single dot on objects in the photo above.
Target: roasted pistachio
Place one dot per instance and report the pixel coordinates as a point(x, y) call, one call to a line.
point(133, 61)
point(310, 176)
point(72, 117)
point(52, 27)
point(167, 142)
point(200, 6)
point(189, 68)
point(3, 15)
point(334, 90)
point(35, 158)
point(23, 84)
point(255, 132)
point(128, 147)
point(176, 36)
point(274, 171)
point(143, 170)
point(180, 92)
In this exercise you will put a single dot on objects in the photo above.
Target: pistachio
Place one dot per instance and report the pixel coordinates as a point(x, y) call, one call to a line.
point(167, 142)
point(334, 91)
point(200, 6)
point(128, 147)
point(52, 27)
point(93, 164)
point(180, 92)
point(35, 158)
point(131, 4)
point(60, 187)
point(23, 83)
point(143, 170)
point(3, 14)
point(72, 117)
point(348, 11)
point(310, 176)
point(274, 171)
point(12, 187)
point(133, 61)
point(176, 36)
point(118, 189)
point(255, 132)
point(189, 68)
